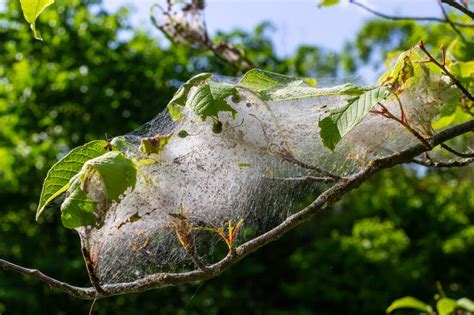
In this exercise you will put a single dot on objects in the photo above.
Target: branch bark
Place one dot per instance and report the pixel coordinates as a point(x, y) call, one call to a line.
point(407, 18)
point(459, 7)
point(331, 195)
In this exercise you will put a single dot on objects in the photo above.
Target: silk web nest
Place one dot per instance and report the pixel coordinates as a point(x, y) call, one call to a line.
point(229, 160)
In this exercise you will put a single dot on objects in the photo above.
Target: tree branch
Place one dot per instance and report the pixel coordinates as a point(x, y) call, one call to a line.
point(331, 195)
point(455, 152)
point(406, 18)
point(453, 26)
point(459, 7)
point(442, 164)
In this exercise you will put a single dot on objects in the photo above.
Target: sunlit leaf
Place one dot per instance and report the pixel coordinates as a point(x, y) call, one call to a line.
point(465, 304)
point(31, 10)
point(445, 306)
point(409, 302)
point(327, 3)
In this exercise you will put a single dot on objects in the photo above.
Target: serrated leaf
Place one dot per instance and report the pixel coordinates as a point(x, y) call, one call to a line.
point(77, 210)
point(31, 10)
point(445, 306)
point(210, 99)
point(409, 302)
point(116, 171)
point(465, 304)
point(342, 120)
point(180, 97)
point(58, 177)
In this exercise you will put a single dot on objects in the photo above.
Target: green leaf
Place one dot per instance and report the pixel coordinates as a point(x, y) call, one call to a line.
point(274, 86)
point(210, 99)
point(465, 304)
point(327, 3)
point(445, 306)
point(58, 177)
point(300, 91)
point(260, 80)
point(116, 171)
point(409, 302)
point(180, 97)
point(77, 210)
point(31, 10)
point(341, 121)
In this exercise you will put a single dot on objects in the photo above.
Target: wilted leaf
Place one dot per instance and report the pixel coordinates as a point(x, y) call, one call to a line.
point(155, 144)
point(327, 3)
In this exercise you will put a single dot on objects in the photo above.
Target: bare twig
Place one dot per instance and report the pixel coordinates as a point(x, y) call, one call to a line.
point(444, 164)
point(386, 113)
point(325, 180)
point(90, 267)
point(466, 154)
point(446, 72)
point(328, 197)
point(407, 18)
point(459, 7)
point(453, 26)
point(287, 156)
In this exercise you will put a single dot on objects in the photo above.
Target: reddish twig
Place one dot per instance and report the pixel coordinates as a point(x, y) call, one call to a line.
point(446, 71)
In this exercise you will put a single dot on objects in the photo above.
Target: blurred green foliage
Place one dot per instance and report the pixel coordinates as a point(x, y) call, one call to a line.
point(93, 74)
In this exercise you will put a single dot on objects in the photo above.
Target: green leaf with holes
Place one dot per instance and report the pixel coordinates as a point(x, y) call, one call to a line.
point(31, 10)
point(58, 177)
point(210, 99)
point(180, 97)
point(342, 120)
point(411, 303)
